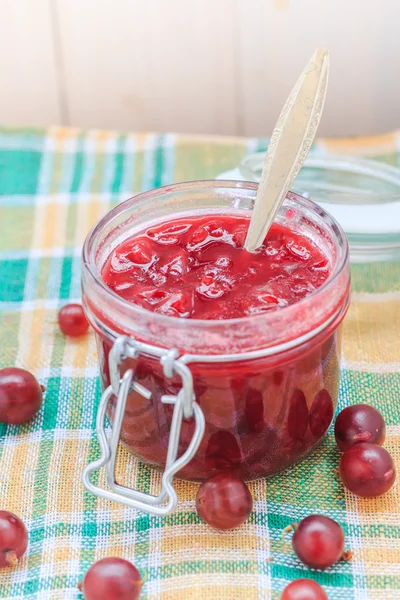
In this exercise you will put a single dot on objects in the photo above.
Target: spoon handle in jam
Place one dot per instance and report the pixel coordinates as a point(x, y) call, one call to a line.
point(289, 145)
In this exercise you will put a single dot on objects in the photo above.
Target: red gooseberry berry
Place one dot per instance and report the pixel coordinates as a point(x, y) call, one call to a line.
point(111, 579)
point(367, 470)
point(72, 320)
point(13, 539)
point(304, 589)
point(318, 541)
point(224, 501)
point(20, 396)
point(359, 423)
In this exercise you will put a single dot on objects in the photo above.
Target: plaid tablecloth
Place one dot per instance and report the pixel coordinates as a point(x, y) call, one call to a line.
point(54, 185)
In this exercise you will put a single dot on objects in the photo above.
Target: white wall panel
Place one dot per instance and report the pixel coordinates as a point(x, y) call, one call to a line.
point(276, 38)
point(150, 64)
point(29, 76)
point(201, 66)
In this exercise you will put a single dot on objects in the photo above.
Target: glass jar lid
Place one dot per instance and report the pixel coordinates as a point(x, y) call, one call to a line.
point(363, 196)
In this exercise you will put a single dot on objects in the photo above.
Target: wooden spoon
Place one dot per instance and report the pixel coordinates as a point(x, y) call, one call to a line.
point(289, 145)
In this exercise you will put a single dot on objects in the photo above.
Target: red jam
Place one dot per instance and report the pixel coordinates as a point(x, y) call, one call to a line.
point(263, 414)
point(197, 268)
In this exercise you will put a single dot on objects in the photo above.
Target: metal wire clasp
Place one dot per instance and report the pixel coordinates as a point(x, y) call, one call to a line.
point(185, 406)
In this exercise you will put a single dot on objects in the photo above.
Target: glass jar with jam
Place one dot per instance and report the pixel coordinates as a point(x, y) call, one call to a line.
point(212, 358)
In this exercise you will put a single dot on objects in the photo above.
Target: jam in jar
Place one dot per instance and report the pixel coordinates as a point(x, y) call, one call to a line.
point(261, 330)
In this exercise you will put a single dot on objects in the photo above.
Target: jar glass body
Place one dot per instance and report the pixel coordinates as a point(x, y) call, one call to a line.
point(267, 384)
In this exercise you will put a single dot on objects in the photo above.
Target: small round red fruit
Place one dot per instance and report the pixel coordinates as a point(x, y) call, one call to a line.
point(224, 501)
point(20, 396)
point(111, 578)
point(367, 470)
point(72, 320)
point(318, 541)
point(359, 423)
point(304, 589)
point(13, 539)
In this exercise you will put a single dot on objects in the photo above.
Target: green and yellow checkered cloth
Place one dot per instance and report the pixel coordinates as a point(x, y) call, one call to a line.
point(54, 185)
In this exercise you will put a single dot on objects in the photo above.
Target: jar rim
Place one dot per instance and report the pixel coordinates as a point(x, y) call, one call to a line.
point(92, 271)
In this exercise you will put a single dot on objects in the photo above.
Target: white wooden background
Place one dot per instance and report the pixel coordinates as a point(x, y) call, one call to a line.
point(207, 66)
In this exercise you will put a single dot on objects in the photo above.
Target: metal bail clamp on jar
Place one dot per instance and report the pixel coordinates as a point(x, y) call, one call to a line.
point(185, 406)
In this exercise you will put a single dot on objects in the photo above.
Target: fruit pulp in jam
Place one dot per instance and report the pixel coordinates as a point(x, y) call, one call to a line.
point(261, 415)
point(197, 268)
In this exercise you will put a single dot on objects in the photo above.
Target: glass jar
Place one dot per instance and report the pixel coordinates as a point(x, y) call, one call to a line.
point(266, 384)
point(362, 194)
